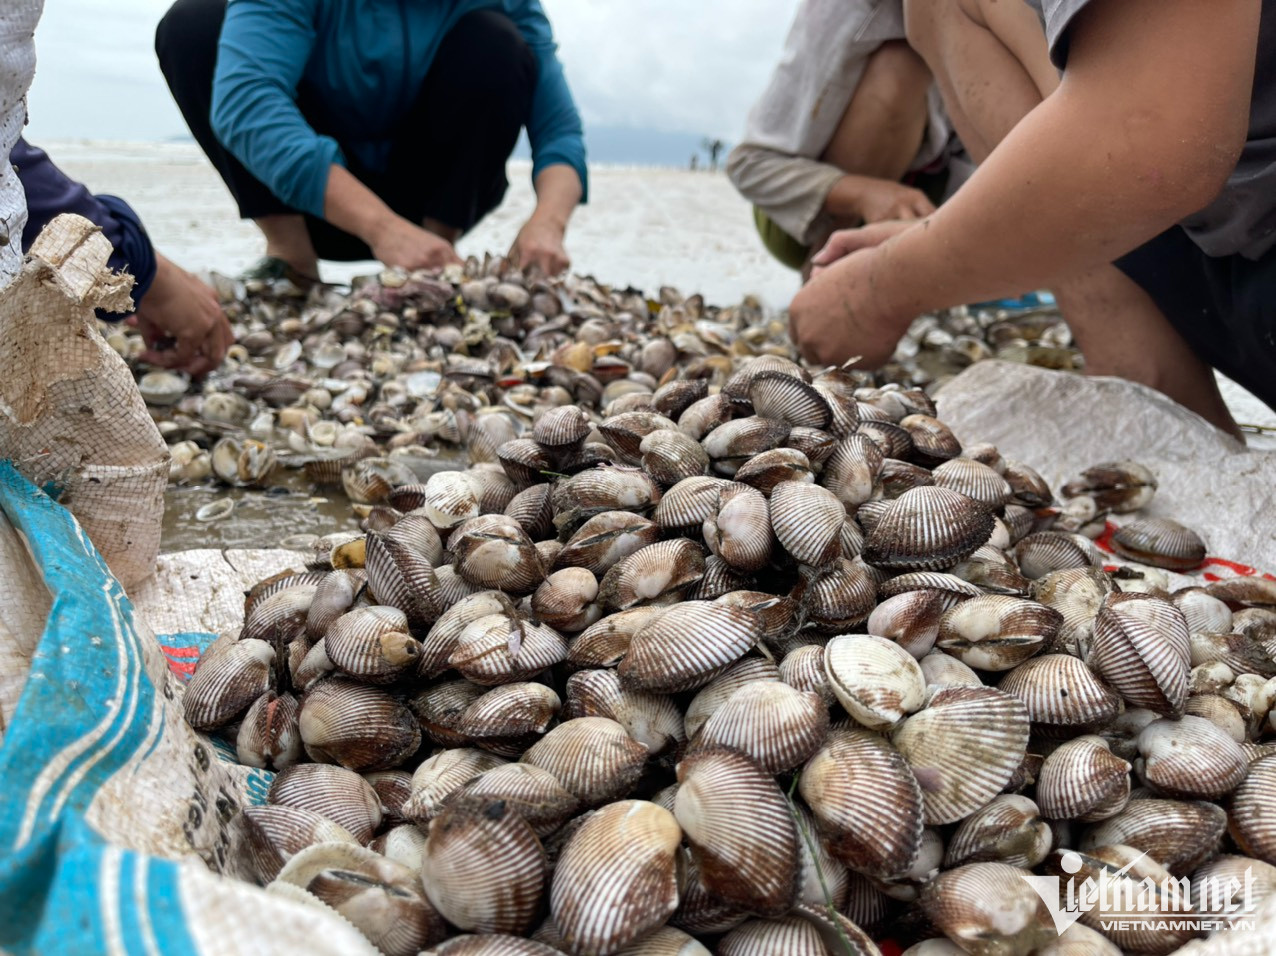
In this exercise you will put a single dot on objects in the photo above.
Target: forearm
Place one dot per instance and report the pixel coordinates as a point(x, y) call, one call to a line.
point(791, 190)
point(353, 207)
point(558, 192)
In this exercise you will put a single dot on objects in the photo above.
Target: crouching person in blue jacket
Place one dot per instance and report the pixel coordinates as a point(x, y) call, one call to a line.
point(355, 129)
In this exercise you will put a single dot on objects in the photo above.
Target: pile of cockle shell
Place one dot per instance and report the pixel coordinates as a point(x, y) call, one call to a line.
point(757, 662)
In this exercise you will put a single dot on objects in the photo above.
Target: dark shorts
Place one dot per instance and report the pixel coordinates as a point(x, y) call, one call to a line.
point(1224, 307)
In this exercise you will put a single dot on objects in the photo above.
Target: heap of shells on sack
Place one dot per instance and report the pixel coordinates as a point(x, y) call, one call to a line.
point(749, 660)
point(367, 386)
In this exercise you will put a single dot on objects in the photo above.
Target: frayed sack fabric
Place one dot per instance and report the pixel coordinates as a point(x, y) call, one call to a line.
point(70, 414)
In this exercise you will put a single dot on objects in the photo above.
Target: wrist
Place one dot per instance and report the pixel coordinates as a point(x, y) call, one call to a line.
point(845, 200)
point(549, 218)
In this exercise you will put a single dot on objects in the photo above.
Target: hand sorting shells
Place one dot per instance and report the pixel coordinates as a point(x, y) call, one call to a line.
point(705, 650)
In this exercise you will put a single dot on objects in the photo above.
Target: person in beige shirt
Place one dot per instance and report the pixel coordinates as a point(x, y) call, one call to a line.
point(850, 130)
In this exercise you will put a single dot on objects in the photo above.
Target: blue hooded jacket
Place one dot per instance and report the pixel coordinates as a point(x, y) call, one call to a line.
point(366, 59)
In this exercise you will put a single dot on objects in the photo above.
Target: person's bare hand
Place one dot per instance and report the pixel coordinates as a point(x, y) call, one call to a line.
point(885, 200)
point(845, 241)
point(401, 243)
point(539, 244)
point(182, 323)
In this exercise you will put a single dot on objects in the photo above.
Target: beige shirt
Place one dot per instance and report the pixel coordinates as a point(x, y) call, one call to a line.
point(776, 165)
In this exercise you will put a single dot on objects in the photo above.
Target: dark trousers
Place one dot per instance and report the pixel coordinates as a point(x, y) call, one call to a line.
point(449, 150)
point(1224, 307)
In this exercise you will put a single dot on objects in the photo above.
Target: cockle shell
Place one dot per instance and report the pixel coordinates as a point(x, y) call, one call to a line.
point(1190, 757)
point(441, 775)
point(651, 719)
point(654, 572)
point(1141, 647)
point(803, 668)
point(837, 598)
point(338, 794)
point(278, 617)
point(866, 801)
point(508, 717)
point(372, 644)
point(533, 510)
point(1007, 830)
point(500, 649)
point(988, 909)
point(687, 646)
point(964, 747)
point(224, 686)
point(997, 633)
point(808, 522)
point(357, 726)
point(735, 442)
point(927, 528)
point(269, 733)
point(272, 835)
point(532, 793)
point(1250, 821)
point(878, 682)
point(606, 539)
point(713, 784)
point(1061, 691)
point(669, 455)
point(718, 691)
point(910, 619)
point(973, 479)
point(626, 431)
point(1045, 552)
point(485, 869)
point(615, 881)
point(1161, 543)
point(606, 642)
point(766, 470)
point(1120, 486)
point(775, 724)
point(788, 399)
point(739, 530)
point(492, 551)
point(1178, 834)
point(401, 574)
point(592, 757)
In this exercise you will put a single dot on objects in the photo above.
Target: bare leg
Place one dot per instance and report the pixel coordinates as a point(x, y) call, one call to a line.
point(287, 239)
point(990, 61)
point(882, 128)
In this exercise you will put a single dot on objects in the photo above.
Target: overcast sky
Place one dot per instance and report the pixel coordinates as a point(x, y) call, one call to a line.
point(692, 66)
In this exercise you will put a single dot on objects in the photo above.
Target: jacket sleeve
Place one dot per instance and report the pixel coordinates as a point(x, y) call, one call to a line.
point(790, 189)
point(263, 51)
point(554, 129)
point(51, 192)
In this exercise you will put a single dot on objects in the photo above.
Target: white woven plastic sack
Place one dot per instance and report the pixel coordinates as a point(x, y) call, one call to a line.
point(70, 413)
point(112, 810)
point(17, 65)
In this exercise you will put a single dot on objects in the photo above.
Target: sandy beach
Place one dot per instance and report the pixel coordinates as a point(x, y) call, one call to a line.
point(643, 226)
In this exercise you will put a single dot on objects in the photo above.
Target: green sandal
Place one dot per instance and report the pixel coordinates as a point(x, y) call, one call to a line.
point(272, 269)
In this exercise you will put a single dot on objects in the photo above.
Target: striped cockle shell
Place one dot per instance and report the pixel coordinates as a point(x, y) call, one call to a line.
point(268, 733)
point(952, 587)
point(401, 575)
point(866, 801)
point(1191, 758)
point(737, 386)
point(492, 551)
point(783, 397)
point(767, 469)
point(524, 461)
point(494, 487)
point(561, 429)
point(500, 649)
point(932, 440)
point(700, 911)
point(338, 794)
point(450, 498)
point(1160, 542)
point(973, 479)
point(995, 632)
point(845, 416)
point(1251, 822)
point(567, 600)
point(605, 539)
point(852, 469)
point(716, 693)
point(838, 598)
point(333, 596)
point(963, 748)
point(440, 641)
point(719, 580)
point(485, 870)
point(655, 572)
point(1120, 486)
point(272, 835)
point(1204, 613)
point(688, 646)
point(1077, 594)
point(626, 431)
point(669, 455)
point(404, 844)
point(816, 444)
point(605, 642)
point(803, 668)
point(673, 398)
point(651, 719)
point(380, 897)
point(1061, 691)
point(993, 572)
point(486, 434)
point(1178, 834)
point(714, 784)
point(689, 503)
point(790, 935)
point(1141, 647)
point(739, 530)
point(372, 644)
point(1041, 553)
point(878, 682)
point(821, 877)
point(532, 793)
point(1224, 880)
point(927, 528)
point(942, 670)
point(911, 619)
point(897, 477)
point(278, 617)
point(355, 725)
point(1007, 830)
point(775, 611)
point(733, 443)
point(533, 510)
point(665, 941)
point(393, 787)
point(775, 724)
point(1245, 592)
point(279, 582)
point(1030, 489)
point(441, 775)
point(616, 879)
point(1227, 715)
point(592, 757)
point(988, 908)
point(807, 520)
point(226, 685)
point(508, 717)
point(704, 415)
point(311, 666)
